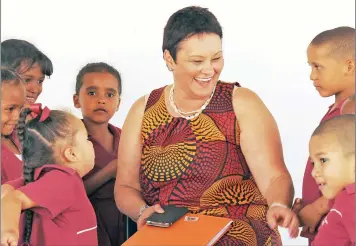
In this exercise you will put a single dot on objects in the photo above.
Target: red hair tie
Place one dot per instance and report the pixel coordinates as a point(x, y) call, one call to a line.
point(36, 110)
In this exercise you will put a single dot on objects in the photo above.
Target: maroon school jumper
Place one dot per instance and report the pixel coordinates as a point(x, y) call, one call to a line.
point(338, 227)
point(310, 190)
point(111, 223)
point(64, 215)
point(11, 165)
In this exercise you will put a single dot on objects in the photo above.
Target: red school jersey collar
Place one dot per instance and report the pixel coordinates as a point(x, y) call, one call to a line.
point(49, 167)
point(114, 130)
point(338, 106)
point(350, 189)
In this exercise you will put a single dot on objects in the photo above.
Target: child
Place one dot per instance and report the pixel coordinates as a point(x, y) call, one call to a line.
point(56, 154)
point(12, 100)
point(29, 62)
point(332, 150)
point(331, 56)
point(97, 94)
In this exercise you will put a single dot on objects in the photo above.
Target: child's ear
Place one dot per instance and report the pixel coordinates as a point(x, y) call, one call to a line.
point(70, 155)
point(76, 101)
point(350, 67)
point(118, 105)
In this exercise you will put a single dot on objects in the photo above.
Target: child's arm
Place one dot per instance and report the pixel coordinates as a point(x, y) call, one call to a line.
point(5, 189)
point(311, 214)
point(11, 206)
point(101, 177)
point(11, 186)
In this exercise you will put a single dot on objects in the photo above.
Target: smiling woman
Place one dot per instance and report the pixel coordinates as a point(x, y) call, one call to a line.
point(198, 139)
point(29, 62)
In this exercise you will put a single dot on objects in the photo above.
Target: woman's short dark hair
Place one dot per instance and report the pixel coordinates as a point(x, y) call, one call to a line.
point(187, 22)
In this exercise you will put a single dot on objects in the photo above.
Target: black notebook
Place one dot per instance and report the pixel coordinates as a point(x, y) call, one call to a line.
point(171, 214)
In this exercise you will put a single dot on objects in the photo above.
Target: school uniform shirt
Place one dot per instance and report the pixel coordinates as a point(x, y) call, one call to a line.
point(310, 189)
point(111, 223)
point(11, 165)
point(64, 215)
point(338, 227)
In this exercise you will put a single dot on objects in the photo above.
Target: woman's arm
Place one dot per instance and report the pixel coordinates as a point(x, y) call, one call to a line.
point(261, 145)
point(127, 186)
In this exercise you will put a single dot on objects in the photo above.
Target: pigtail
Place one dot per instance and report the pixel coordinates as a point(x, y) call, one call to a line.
point(21, 125)
point(28, 178)
point(28, 171)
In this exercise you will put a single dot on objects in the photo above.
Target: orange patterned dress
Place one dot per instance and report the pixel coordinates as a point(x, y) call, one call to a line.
point(198, 163)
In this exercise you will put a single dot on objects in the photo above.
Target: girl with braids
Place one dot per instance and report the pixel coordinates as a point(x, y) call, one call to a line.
point(56, 154)
point(97, 94)
point(12, 101)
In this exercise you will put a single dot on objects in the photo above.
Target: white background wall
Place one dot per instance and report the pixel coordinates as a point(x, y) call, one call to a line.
point(264, 47)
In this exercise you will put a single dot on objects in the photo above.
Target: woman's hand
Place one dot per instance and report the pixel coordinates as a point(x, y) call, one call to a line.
point(147, 213)
point(297, 205)
point(284, 217)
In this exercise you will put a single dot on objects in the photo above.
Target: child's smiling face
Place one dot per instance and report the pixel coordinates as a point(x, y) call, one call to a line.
point(333, 168)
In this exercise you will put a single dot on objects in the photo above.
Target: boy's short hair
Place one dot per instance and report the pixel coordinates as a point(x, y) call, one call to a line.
point(340, 39)
point(343, 128)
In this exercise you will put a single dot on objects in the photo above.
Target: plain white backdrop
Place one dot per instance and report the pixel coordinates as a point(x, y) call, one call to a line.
point(264, 47)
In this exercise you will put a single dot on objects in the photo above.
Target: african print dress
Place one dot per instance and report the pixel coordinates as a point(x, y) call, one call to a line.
point(199, 164)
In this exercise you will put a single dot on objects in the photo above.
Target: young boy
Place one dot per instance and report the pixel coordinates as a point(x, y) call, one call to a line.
point(332, 151)
point(331, 56)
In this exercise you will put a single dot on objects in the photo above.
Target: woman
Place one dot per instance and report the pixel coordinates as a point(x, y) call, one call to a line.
point(205, 144)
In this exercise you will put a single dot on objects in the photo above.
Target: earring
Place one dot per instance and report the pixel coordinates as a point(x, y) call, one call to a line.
point(170, 69)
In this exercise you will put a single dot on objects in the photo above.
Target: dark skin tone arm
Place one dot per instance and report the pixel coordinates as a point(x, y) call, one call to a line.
point(101, 177)
point(101, 134)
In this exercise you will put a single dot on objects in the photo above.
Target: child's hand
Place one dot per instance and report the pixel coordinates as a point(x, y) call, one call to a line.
point(309, 217)
point(297, 205)
point(113, 168)
point(9, 238)
point(284, 217)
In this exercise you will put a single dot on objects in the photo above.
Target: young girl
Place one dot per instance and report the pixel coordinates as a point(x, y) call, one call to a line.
point(12, 101)
point(97, 94)
point(56, 153)
point(29, 62)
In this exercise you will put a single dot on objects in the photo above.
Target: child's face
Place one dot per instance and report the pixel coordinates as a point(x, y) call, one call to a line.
point(83, 148)
point(33, 78)
point(333, 169)
point(98, 97)
point(328, 73)
point(12, 101)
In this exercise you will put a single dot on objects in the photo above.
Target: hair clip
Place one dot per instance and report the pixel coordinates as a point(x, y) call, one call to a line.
point(36, 108)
